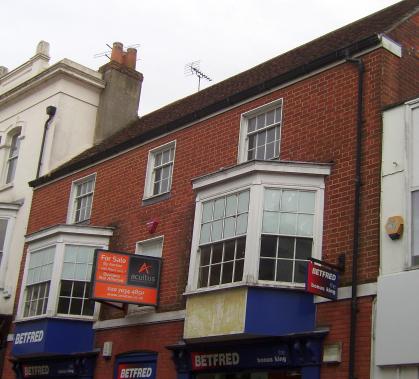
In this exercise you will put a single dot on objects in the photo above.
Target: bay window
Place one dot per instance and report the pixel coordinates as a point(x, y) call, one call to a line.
point(57, 275)
point(257, 223)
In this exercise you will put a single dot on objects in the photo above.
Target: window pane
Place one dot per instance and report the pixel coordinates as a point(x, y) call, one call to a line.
point(217, 229)
point(305, 225)
point(238, 271)
point(63, 305)
point(277, 114)
point(270, 150)
point(243, 205)
point(217, 253)
point(270, 222)
point(3, 228)
point(268, 246)
point(270, 117)
point(203, 276)
point(205, 233)
point(287, 223)
point(227, 276)
point(252, 142)
point(157, 159)
point(205, 255)
point(267, 269)
point(241, 246)
point(88, 308)
point(66, 287)
point(215, 275)
point(286, 247)
point(219, 208)
point(251, 124)
point(241, 224)
point(251, 154)
point(303, 248)
point(164, 186)
point(207, 211)
point(229, 249)
point(260, 121)
point(300, 271)
point(78, 289)
point(272, 200)
point(284, 271)
point(289, 201)
point(306, 202)
point(229, 227)
point(231, 205)
point(75, 306)
point(68, 271)
point(166, 156)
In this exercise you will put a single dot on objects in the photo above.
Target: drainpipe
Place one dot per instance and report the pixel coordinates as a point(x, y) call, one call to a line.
point(50, 112)
point(355, 251)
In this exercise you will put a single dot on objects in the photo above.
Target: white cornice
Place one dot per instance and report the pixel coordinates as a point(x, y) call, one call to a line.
point(251, 167)
point(65, 67)
point(67, 229)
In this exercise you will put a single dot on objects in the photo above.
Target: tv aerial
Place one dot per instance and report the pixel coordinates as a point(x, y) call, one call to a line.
point(193, 69)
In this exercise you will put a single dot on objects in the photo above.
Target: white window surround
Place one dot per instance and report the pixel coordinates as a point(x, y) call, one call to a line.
point(71, 214)
point(149, 178)
point(256, 176)
point(243, 137)
point(59, 237)
point(9, 212)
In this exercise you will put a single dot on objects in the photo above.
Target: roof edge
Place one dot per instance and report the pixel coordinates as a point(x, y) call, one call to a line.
point(337, 55)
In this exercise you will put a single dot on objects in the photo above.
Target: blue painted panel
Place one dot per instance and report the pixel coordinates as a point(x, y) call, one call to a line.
point(275, 312)
point(52, 336)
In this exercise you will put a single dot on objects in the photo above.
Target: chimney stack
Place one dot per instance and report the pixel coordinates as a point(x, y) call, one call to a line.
point(118, 104)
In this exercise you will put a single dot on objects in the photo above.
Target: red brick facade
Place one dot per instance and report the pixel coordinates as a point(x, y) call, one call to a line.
point(319, 125)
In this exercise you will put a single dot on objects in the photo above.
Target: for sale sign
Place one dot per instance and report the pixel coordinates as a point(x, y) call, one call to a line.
point(322, 280)
point(126, 278)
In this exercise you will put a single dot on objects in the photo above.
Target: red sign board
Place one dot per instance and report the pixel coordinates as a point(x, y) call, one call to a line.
point(322, 281)
point(125, 278)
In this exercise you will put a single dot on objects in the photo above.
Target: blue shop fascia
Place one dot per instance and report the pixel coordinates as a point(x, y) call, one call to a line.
point(256, 227)
point(53, 332)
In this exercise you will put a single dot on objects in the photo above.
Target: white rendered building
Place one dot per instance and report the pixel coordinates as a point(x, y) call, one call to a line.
point(396, 342)
point(49, 114)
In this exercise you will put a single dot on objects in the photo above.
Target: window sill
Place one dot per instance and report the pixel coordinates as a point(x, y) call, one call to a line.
point(281, 286)
point(5, 187)
point(57, 317)
point(156, 198)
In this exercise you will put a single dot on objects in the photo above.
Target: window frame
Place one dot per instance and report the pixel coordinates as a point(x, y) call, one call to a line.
point(58, 238)
point(257, 176)
point(242, 155)
point(150, 170)
point(72, 206)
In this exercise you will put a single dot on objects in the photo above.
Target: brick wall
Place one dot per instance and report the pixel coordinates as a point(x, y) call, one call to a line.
point(152, 338)
point(336, 316)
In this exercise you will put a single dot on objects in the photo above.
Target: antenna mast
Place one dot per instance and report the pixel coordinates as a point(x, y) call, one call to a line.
point(193, 69)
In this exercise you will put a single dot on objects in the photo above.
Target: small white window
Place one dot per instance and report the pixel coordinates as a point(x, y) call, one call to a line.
point(152, 247)
point(3, 230)
point(82, 199)
point(260, 133)
point(13, 156)
point(160, 170)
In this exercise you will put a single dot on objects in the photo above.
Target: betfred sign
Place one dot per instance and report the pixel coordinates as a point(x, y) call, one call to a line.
point(125, 278)
point(136, 370)
point(204, 361)
point(322, 281)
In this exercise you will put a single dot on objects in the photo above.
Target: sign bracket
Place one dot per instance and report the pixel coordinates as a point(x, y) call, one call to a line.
point(339, 267)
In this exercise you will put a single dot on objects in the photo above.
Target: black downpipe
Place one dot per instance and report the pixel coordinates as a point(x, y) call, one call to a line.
point(355, 251)
point(50, 112)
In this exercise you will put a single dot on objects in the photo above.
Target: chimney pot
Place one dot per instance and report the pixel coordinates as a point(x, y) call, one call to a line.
point(131, 58)
point(117, 52)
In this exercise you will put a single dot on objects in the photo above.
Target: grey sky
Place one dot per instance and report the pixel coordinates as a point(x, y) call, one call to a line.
point(227, 36)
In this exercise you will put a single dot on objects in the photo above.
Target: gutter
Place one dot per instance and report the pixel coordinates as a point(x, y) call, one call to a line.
point(340, 54)
point(51, 113)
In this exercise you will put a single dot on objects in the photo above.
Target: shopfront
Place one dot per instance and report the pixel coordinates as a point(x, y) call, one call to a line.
point(297, 357)
point(53, 349)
